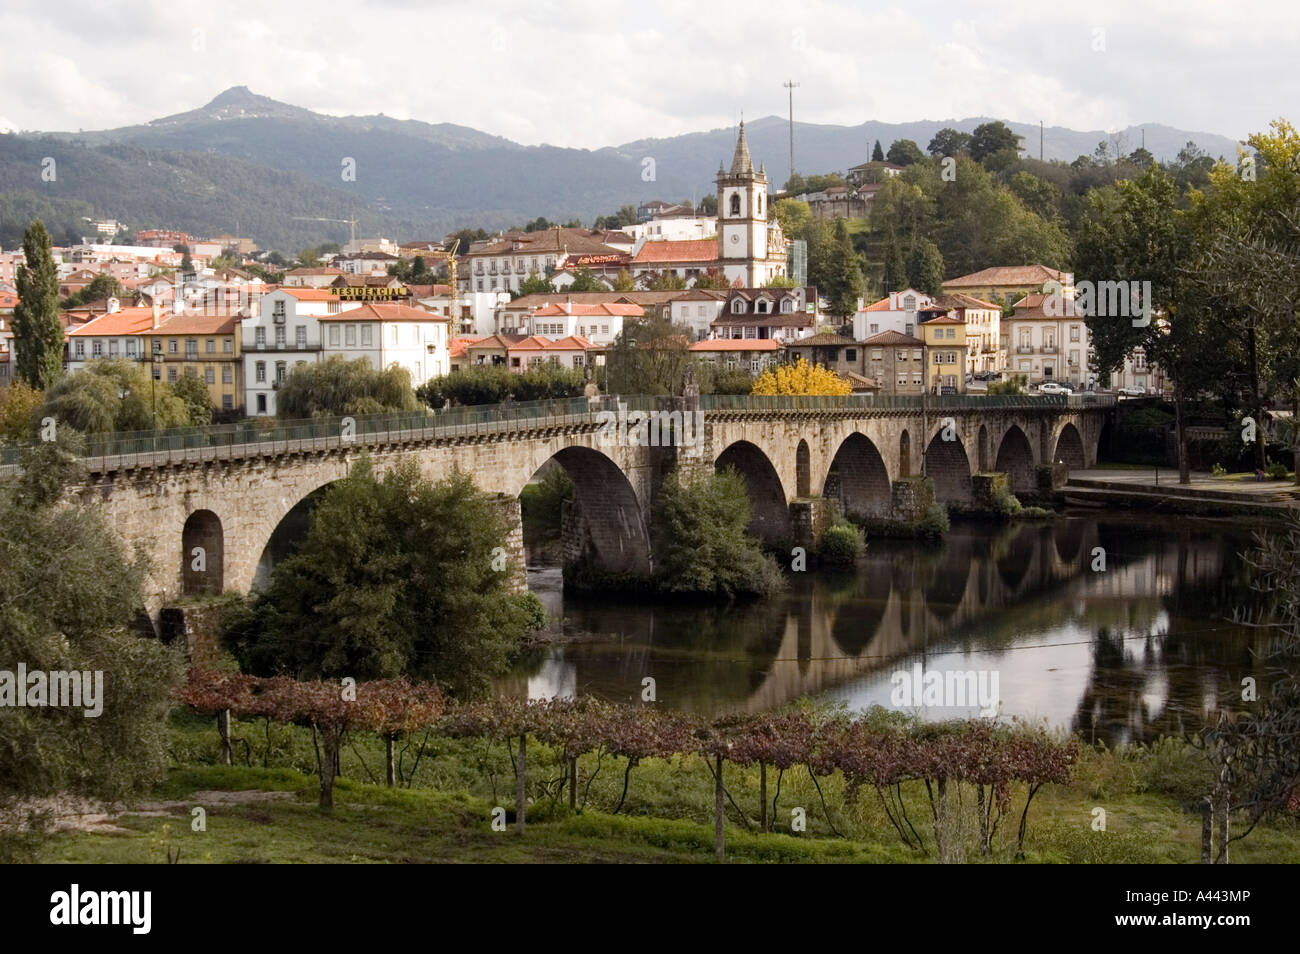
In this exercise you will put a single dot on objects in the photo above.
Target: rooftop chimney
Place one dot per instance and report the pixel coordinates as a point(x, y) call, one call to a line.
point(113, 306)
point(157, 315)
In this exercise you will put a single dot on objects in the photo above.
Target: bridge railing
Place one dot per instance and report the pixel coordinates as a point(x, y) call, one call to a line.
point(274, 436)
point(909, 402)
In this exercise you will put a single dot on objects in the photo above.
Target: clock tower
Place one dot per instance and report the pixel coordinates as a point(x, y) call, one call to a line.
point(742, 220)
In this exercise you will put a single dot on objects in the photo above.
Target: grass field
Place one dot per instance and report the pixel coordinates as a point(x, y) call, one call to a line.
point(666, 817)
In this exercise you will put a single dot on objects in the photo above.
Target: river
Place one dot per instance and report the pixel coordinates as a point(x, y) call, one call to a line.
point(1117, 627)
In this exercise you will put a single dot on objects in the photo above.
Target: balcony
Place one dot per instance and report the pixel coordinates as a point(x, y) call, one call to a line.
point(1048, 349)
point(1024, 349)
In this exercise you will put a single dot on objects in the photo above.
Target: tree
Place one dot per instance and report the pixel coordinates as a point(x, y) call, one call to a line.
point(584, 280)
point(925, 268)
point(666, 280)
point(18, 404)
point(712, 278)
point(538, 224)
point(794, 216)
point(187, 264)
point(198, 401)
point(649, 356)
point(114, 394)
point(69, 590)
point(535, 284)
point(1135, 231)
point(623, 281)
point(877, 154)
point(38, 334)
point(709, 204)
point(801, 378)
point(397, 576)
point(701, 541)
point(337, 386)
point(991, 138)
point(904, 152)
point(101, 286)
point(844, 286)
point(949, 142)
point(895, 274)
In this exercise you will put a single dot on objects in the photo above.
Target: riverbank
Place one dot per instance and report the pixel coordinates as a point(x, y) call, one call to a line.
point(1158, 490)
point(665, 816)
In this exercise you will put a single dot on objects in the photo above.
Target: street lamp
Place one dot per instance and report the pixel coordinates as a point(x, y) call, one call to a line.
point(158, 360)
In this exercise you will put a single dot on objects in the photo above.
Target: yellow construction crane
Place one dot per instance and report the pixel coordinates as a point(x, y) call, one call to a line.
point(455, 286)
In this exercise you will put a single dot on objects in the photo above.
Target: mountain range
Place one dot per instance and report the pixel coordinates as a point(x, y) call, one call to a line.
point(250, 165)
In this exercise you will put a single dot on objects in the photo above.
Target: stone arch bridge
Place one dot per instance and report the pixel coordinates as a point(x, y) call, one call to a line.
point(226, 490)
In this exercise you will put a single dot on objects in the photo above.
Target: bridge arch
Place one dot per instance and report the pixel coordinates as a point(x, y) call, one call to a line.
point(203, 555)
point(904, 454)
point(1016, 459)
point(606, 525)
point(769, 517)
point(1069, 448)
point(947, 465)
point(858, 479)
point(983, 445)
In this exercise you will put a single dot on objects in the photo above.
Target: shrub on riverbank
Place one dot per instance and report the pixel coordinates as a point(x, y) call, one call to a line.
point(935, 522)
point(701, 543)
point(841, 544)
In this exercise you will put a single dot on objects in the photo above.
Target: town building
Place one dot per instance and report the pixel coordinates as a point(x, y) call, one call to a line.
point(388, 334)
point(946, 341)
point(282, 333)
point(830, 351)
point(1045, 347)
point(785, 314)
point(202, 345)
point(697, 309)
point(315, 277)
point(899, 311)
point(983, 321)
point(749, 354)
point(1005, 285)
point(896, 362)
point(506, 264)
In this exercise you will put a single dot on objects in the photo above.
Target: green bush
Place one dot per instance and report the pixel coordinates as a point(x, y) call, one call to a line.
point(841, 544)
point(1006, 505)
point(1218, 470)
point(1276, 471)
point(542, 503)
point(337, 386)
point(935, 522)
point(492, 383)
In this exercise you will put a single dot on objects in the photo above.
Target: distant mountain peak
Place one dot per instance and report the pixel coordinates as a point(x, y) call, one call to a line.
point(239, 96)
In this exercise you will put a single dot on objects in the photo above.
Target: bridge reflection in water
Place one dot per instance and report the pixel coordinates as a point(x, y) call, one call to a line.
point(1125, 653)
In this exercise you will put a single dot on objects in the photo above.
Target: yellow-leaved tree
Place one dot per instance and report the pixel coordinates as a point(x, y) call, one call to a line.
point(801, 378)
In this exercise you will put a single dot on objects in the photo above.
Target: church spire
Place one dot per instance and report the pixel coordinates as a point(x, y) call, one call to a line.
point(740, 162)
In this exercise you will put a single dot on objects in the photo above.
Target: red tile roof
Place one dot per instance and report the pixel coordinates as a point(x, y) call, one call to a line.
point(309, 294)
point(894, 338)
point(1008, 275)
point(128, 321)
point(601, 309)
point(688, 250)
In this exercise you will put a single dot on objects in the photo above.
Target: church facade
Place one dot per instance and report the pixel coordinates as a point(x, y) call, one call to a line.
point(751, 250)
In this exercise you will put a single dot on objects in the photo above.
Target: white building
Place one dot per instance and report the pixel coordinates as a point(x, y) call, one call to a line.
point(115, 334)
point(282, 333)
point(1047, 347)
point(475, 312)
point(599, 324)
point(391, 334)
point(697, 310)
point(898, 312)
point(674, 229)
point(749, 248)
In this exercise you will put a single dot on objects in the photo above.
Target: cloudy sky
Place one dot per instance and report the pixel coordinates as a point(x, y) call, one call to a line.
point(591, 73)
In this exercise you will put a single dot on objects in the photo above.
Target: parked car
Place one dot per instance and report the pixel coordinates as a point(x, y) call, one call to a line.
point(1054, 387)
point(1132, 392)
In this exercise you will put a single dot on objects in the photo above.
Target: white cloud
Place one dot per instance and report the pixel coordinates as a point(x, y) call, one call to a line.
point(593, 73)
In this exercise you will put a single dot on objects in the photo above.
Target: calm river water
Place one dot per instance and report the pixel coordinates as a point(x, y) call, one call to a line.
point(1139, 648)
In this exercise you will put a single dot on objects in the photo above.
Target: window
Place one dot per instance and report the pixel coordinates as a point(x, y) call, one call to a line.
point(96, 348)
point(916, 377)
point(277, 310)
point(227, 374)
point(762, 308)
point(171, 373)
point(875, 329)
point(132, 347)
point(1074, 332)
point(787, 307)
point(334, 307)
point(577, 361)
point(112, 347)
point(173, 346)
point(480, 284)
point(279, 336)
point(735, 203)
point(604, 329)
point(261, 404)
point(909, 328)
point(227, 345)
point(703, 311)
point(901, 356)
point(902, 380)
point(392, 334)
point(850, 354)
point(228, 402)
point(737, 307)
point(261, 372)
point(367, 334)
point(334, 336)
point(209, 375)
point(916, 355)
point(909, 303)
point(877, 354)
point(300, 336)
point(211, 346)
point(280, 371)
point(259, 337)
point(191, 349)
point(349, 336)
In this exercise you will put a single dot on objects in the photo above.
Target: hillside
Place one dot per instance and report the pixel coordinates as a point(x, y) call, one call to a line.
point(246, 163)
